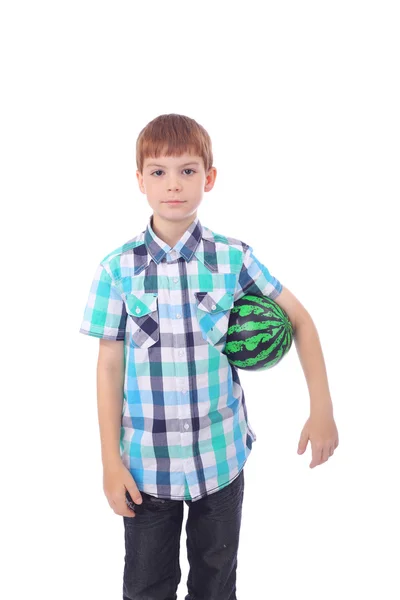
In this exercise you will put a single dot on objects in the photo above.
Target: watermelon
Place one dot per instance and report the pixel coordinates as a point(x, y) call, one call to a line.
point(259, 333)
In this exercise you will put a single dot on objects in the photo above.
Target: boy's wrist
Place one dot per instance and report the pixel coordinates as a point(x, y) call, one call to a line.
point(111, 461)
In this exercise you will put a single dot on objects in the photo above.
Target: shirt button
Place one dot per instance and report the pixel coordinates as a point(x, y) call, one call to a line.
point(181, 352)
point(183, 391)
point(175, 280)
point(213, 307)
point(138, 310)
point(178, 316)
point(186, 426)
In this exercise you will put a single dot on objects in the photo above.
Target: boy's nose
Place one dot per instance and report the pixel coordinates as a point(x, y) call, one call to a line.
point(173, 186)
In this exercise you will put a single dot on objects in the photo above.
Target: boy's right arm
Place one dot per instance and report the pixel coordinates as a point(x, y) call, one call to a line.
point(110, 381)
point(110, 385)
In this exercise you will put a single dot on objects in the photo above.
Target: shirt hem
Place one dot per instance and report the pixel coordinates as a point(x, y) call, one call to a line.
point(98, 334)
point(199, 497)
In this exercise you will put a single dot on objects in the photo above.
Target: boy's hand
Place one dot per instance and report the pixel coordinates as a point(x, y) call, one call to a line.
point(322, 432)
point(117, 478)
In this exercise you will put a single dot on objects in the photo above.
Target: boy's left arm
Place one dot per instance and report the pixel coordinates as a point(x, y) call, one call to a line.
point(320, 428)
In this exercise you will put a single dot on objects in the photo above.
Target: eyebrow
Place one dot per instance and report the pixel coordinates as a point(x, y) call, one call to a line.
point(164, 167)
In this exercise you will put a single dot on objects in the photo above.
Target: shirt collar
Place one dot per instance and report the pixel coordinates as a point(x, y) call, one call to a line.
point(186, 246)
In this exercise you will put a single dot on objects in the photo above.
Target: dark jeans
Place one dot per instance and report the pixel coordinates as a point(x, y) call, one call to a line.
point(152, 539)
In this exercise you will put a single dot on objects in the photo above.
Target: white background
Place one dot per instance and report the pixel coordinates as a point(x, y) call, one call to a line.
point(301, 100)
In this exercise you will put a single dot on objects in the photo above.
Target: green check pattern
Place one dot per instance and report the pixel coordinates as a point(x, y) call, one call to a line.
point(185, 432)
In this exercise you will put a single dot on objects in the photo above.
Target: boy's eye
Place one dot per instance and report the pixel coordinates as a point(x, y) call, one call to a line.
point(161, 171)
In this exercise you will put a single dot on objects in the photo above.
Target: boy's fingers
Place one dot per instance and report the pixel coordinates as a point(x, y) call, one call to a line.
point(134, 494)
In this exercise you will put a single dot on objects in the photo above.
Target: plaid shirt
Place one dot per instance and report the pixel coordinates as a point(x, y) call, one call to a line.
point(184, 427)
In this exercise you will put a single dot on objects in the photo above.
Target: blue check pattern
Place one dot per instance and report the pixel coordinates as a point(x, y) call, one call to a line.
point(185, 432)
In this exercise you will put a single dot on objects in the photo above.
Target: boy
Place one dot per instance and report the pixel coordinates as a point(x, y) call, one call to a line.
point(172, 413)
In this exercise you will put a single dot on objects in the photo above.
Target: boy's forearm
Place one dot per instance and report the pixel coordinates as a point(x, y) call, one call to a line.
point(312, 361)
point(109, 405)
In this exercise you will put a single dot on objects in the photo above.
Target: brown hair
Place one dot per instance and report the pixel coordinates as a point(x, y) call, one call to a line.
point(173, 135)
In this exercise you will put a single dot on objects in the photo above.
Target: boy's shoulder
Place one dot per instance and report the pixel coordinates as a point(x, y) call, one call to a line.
point(113, 260)
point(224, 240)
point(125, 248)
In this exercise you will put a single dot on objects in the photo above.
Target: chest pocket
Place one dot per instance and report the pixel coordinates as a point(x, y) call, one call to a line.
point(144, 323)
point(213, 310)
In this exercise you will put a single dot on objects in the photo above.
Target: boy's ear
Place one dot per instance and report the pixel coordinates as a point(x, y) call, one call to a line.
point(210, 179)
point(140, 181)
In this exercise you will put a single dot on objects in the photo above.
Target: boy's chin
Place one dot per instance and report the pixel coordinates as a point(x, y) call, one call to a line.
point(178, 212)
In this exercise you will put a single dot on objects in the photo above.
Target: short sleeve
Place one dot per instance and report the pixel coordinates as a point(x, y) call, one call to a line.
point(105, 312)
point(254, 278)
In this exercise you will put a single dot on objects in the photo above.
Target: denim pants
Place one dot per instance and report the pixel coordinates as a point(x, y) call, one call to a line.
point(152, 542)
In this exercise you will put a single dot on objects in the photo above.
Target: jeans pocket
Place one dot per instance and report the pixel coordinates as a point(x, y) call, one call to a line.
point(151, 503)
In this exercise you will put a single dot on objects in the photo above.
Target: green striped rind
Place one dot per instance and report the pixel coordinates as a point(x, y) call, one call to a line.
point(271, 328)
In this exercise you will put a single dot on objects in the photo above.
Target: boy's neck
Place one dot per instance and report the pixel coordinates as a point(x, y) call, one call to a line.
point(170, 232)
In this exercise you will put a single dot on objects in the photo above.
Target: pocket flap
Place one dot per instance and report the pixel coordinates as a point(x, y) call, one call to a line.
point(214, 301)
point(139, 304)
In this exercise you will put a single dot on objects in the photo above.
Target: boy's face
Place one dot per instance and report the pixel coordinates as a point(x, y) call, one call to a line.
point(180, 178)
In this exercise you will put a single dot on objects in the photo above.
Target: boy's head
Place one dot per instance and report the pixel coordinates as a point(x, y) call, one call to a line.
point(174, 162)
